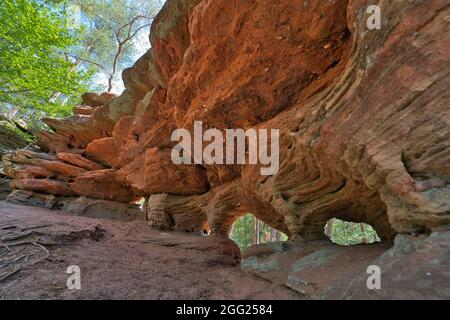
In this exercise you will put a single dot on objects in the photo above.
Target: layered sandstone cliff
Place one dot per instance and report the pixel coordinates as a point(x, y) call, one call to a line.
point(363, 118)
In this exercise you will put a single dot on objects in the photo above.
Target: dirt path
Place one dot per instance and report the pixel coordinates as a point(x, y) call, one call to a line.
point(118, 260)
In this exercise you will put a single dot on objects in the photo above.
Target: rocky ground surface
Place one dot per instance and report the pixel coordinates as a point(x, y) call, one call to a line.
point(411, 268)
point(127, 260)
point(118, 260)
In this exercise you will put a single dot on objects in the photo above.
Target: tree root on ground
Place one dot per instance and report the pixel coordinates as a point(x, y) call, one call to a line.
point(13, 260)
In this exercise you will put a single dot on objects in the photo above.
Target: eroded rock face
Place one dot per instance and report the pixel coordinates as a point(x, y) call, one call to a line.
point(5, 187)
point(102, 184)
point(79, 206)
point(153, 172)
point(363, 118)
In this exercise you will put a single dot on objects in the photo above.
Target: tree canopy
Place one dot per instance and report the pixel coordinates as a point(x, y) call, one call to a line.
point(33, 68)
point(113, 30)
point(248, 231)
point(47, 61)
point(350, 233)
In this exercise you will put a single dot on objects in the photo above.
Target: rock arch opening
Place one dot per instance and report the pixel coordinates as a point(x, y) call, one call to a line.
point(348, 233)
point(248, 230)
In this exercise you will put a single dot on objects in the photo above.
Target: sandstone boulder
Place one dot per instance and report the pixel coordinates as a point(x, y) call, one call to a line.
point(83, 110)
point(79, 161)
point(154, 172)
point(95, 100)
point(105, 150)
point(78, 206)
point(102, 184)
point(48, 186)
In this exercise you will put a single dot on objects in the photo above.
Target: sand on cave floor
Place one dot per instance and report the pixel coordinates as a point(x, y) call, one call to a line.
point(118, 260)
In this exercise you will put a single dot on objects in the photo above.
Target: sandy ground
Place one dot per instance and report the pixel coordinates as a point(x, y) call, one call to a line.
point(118, 260)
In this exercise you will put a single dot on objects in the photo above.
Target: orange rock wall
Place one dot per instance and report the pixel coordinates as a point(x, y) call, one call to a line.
point(363, 118)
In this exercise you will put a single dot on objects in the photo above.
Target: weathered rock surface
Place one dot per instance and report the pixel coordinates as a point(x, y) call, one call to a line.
point(154, 172)
point(105, 150)
point(102, 184)
point(64, 174)
point(5, 188)
point(127, 260)
point(414, 268)
point(118, 260)
point(81, 206)
point(79, 161)
point(363, 118)
point(49, 186)
point(30, 198)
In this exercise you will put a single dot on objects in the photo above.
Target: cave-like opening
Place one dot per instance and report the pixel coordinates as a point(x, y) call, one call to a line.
point(248, 230)
point(350, 233)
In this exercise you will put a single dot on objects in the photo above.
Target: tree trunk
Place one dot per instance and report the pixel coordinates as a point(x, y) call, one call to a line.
point(329, 230)
point(273, 235)
point(115, 63)
point(258, 239)
point(278, 236)
point(363, 230)
point(254, 230)
point(231, 231)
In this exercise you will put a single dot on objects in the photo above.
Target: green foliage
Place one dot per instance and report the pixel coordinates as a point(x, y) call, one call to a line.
point(47, 60)
point(14, 131)
point(33, 68)
point(243, 232)
point(350, 233)
point(11, 138)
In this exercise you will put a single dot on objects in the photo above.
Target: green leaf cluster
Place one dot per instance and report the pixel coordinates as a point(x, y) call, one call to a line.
point(350, 233)
point(34, 36)
point(243, 232)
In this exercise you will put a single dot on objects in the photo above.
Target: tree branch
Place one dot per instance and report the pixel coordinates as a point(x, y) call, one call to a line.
point(130, 24)
point(137, 31)
point(99, 17)
point(94, 63)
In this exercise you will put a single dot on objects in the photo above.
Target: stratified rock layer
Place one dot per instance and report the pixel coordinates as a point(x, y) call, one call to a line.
point(363, 118)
